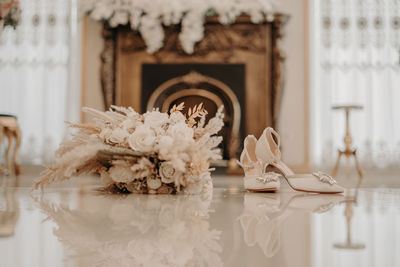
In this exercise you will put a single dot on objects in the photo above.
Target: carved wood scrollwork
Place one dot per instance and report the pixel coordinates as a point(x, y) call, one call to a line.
point(241, 35)
point(217, 37)
point(108, 66)
point(277, 67)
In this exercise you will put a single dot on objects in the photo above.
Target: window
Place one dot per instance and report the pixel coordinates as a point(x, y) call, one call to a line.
point(355, 58)
point(39, 74)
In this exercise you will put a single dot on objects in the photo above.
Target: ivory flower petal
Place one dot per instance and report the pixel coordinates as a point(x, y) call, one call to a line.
point(155, 119)
point(142, 139)
point(121, 174)
point(168, 173)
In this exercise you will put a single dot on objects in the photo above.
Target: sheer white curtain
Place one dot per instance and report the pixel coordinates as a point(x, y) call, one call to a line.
point(39, 74)
point(355, 58)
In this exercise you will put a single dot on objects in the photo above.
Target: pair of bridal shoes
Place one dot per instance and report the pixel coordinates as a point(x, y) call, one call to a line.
point(265, 152)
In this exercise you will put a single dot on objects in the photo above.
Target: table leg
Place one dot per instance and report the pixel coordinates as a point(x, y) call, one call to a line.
point(358, 166)
point(17, 167)
point(1, 140)
point(335, 169)
point(9, 150)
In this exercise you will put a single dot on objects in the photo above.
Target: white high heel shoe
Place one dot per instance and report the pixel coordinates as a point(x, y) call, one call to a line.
point(267, 150)
point(255, 179)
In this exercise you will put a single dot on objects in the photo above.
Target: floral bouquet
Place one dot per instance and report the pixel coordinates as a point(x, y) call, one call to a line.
point(9, 13)
point(151, 153)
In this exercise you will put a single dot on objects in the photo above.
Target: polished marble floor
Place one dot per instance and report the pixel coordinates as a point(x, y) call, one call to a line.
point(73, 224)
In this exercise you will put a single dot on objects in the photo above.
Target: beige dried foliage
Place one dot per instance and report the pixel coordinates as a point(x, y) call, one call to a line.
point(178, 108)
point(53, 174)
point(122, 110)
point(199, 164)
point(88, 128)
point(46, 178)
point(98, 114)
point(67, 146)
point(91, 166)
point(196, 112)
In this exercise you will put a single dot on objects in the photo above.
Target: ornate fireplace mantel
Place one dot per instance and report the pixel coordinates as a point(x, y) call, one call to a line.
point(224, 40)
point(254, 46)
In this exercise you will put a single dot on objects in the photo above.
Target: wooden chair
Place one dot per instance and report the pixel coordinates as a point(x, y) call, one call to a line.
point(9, 127)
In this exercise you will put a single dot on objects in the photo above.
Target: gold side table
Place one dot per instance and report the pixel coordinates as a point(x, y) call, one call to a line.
point(348, 151)
point(9, 127)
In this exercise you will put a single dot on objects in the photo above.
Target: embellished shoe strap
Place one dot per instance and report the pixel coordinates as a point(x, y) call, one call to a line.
point(274, 142)
point(324, 177)
point(268, 177)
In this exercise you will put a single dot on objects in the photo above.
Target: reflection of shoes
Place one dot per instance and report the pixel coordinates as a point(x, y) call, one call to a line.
point(255, 179)
point(258, 228)
point(261, 204)
point(263, 215)
point(315, 203)
point(267, 151)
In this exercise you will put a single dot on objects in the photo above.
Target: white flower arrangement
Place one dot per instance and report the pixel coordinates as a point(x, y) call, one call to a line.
point(148, 17)
point(150, 153)
point(136, 230)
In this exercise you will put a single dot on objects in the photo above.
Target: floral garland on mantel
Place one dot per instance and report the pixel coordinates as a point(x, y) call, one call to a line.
point(148, 17)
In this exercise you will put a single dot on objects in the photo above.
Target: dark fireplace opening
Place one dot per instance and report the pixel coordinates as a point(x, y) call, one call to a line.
point(164, 85)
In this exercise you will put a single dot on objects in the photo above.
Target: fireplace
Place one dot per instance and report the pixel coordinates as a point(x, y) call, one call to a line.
point(164, 85)
point(238, 66)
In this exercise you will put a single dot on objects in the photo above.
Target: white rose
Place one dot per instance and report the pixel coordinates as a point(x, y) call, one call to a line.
point(159, 131)
point(129, 123)
point(121, 174)
point(177, 117)
point(142, 139)
point(181, 132)
point(118, 136)
point(155, 119)
point(153, 183)
point(165, 144)
point(168, 173)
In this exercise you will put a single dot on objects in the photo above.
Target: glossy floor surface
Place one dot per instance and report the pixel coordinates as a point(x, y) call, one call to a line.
point(73, 224)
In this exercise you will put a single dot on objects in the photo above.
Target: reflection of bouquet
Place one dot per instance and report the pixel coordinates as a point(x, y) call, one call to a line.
point(137, 230)
point(150, 153)
point(9, 13)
